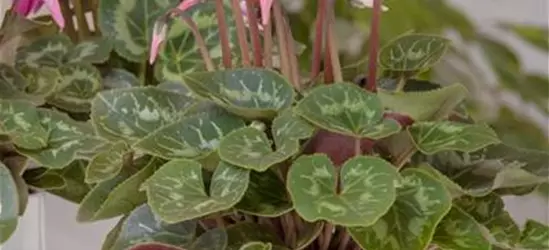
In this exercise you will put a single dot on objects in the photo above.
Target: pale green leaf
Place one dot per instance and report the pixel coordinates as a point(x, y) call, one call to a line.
point(413, 52)
point(368, 189)
point(421, 204)
point(193, 137)
point(120, 78)
point(111, 237)
point(9, 205)
point(266, 196)
point(250, 93)
point(256, 246)
point(107, 164)
point(535, 236)
point(130, 24)
point(459, 231)
point(176, 191)
point(45, 51)
point(78, 85)
point(132, 113)
point(17, 166)
point(21, 122)
point(346, 109)
point(434, 137)
point(242, 233)
point(94, 51)
point(535, 35)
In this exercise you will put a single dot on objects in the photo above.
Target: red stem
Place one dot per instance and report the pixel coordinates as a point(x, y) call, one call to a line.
point(241, 33)
point(254, 31)
point(223, 34)
point(374, 47)
point(319, 34)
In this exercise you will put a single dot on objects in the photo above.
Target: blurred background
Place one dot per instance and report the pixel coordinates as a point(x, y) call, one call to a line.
point(500, 54)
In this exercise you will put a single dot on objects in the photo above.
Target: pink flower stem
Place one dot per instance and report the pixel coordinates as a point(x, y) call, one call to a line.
point(319, 34)
point(254, 32)
point(223, 34)
point(374, 47)
point(268, 44)
point(241, 33)
point(69, 24)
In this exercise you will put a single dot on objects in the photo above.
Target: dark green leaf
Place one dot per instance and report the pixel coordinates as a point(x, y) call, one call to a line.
point(458, 230)
point(413, 52)
point(42, 82)
point(112, 236)
point(256, 246)
point(242, 233)
point(46, 51)
point(308, 235)
point(17, 166)
point(154, 246)
point(78, 86)
point(120, 78)
point(535, 236)
point(13, 85)
point(9, 205)
point(107, 164)
point(266, 196)
point(21, 122)
point(96, 50)
point(75, 188)
point(41, 178)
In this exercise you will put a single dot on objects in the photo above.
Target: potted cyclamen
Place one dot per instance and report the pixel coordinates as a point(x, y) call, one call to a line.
point(196, 124)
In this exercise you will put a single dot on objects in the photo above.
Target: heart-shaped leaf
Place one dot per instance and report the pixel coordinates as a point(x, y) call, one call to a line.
point(13, 85)
point(250, 147)
point(21, 122)
point(266, 196)
point(458, 230)
point(68, 140)
point(347, 109)
point(250, 93)
point(41, 82)
point(73, 188)
point(143, 226)
point(133, 113)
point(130, 24)
point(368, 189)
point(9, 204)
point(256, 246)
point(421, 204)
point(534, 236)
point(243, 233)
point(193, 137)
point(120, 78)
point(176, 191)
point(119, 195)
point(107, 164)
point(424, 105)
point(96, 50)
point(46, 51)
point(78, 86)
point(434, 137)
point(413, 52)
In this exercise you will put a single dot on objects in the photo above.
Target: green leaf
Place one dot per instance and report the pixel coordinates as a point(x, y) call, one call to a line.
point(94, 51)
point(41, 82)
point(266, 196)
point(130, 24)
point(346, 109)
point(143, 226)
point(176, 191)
point(120, 78)
point(535, 35)
point(9, 204)
point(368, 189)
point(424, 105)
point(250, 148)
point(46, 51)
point(242, 233)
point(154, 246)
point(214, 239)
point(75, 189)
point(68, 140)
point(421, 204)
point(413, 52)
point(112, 236)
point(21, 122)
point(41, 178)
point(193, 137)
point(535, 235)
point(434, 137)
point(256, 246)
point(458, 230)
point(13, 85)
point(131, 114)
point(119, 195)
point(107, 164)
point(250, 93)
point(17, 165)
point(308, 235)
point(78, 86)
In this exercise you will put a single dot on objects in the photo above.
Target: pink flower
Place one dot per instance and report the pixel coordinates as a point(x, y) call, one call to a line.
point(27, 7)
point(187, 4)
point(265, 8)
point(160, 31)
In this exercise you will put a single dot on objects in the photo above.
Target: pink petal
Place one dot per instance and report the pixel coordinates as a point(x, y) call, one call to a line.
point(186, 4)
point(37, 5)
point(24, 7)
point(55, 9)
point(265, 8)
point(159, 34)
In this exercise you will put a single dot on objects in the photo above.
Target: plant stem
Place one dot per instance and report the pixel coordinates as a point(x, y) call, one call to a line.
point(254, 32)
point(292, 57)
point(143, 73)
point(94, 7)
point(344, 240)
point(223, 34)
point(374, 46)
point(282, 41)
point(67, 15)
point(80, 13)
point(200, 43)
point(268, 44)
point(319, 35)
point(327, 236)
point(219, 221)
point(289, 232)
point(241, 33)
point(331, 44)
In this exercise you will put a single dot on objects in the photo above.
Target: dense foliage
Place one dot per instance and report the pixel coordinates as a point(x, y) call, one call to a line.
point(211, 148)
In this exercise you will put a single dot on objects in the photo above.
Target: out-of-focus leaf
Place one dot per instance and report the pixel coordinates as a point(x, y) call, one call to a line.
point(92, 51)
point(9, 204)
point(413, 52)
point(535, 35)
point(459, 230)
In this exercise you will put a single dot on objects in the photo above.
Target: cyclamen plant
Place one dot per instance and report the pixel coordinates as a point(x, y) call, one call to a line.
point(168, 122)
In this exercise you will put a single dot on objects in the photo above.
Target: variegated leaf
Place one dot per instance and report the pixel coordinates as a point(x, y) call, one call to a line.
point(243, 233)
point(119, 195)
point(413, 52)
point(434, 137)
point(92, 51)
point(13, 85)
point(213, 239)
point(176, 191)
point(131, 114)
point(41, 82)
point(130, 24)
point(107, 164)
point(250, 93)
point(120, 78)
point(256, 245)
point(154, 246)
point(424, 105)
point(266, 196)
point(421, 204)
point(78, 86)
point(368, 189)
point(74, 188)
point(21, 122)
point(193, 137)
point(250, 147)
point(458, 230)
point(535, 236)
point(46, 51)
point(43, 178)
point(346, 109)
point(17, 166)
point(9, 205)
point(68, 140)
point(142, 226)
